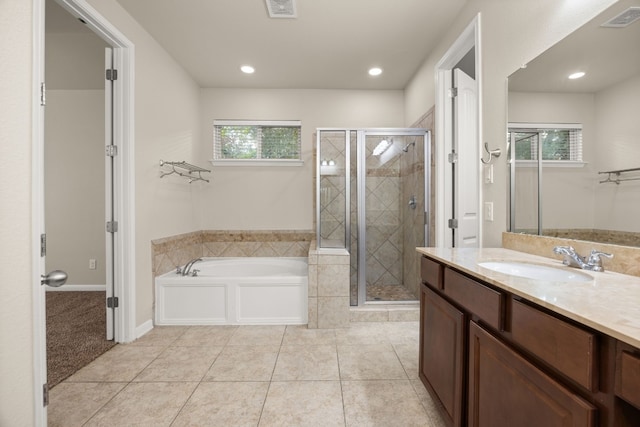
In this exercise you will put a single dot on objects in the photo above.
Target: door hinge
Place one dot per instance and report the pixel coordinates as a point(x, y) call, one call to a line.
point(453, 157)
point(426, 218)
point(111, 150)
point(112, 302)
point(112, 74)
point(45, 394)
point(43, 245)
point(112, 226)
point(43, 94)
point(453, 223)
point(453, 92)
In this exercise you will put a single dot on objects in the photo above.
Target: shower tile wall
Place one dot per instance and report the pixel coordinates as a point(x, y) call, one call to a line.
point(383, 215)
point(332, 190)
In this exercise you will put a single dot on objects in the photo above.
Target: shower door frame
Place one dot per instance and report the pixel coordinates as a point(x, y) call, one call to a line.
point(361, 193)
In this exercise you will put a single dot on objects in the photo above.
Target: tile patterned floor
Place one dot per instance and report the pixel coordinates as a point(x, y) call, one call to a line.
point(366, 375)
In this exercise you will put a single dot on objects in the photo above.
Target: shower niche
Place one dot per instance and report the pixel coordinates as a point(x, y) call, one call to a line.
point(371, 187)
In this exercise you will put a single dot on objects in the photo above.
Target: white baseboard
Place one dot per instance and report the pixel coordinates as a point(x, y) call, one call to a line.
point(76, 288)
point(144, 328)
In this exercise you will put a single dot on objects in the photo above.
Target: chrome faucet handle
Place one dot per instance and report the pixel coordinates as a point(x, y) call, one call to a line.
point(194, 272)
point(595, 259)
point(178, 269)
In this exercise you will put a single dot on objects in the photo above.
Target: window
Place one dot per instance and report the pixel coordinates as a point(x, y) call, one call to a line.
point(559, 142)
point(252, 142)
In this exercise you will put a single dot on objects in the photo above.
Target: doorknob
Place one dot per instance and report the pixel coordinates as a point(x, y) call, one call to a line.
point(55, 278)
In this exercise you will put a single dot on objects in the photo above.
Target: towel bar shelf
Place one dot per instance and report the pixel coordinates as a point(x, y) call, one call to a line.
point(616, 175)
point(184, 169)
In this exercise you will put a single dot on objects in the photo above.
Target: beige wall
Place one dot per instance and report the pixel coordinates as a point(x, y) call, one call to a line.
point(618, 206)
point(281, 198)
point(16, 316)
point(512, 33)
point(75, 184)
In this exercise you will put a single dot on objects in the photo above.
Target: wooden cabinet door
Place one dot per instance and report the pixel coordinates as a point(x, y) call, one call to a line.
point(505, 390)
point(442, 351)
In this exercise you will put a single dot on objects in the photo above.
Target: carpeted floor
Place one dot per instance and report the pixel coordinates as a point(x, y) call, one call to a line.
point(76, 331)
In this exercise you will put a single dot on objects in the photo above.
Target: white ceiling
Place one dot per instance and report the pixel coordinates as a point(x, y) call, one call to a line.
point(330, 45)
point(607, 55)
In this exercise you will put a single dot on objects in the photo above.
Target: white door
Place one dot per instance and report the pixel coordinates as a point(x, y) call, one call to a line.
point(466, 168)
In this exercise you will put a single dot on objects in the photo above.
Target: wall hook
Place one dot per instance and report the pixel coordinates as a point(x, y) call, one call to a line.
point(492, 153)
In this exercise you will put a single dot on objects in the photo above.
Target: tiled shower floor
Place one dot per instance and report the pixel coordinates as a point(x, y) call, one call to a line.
point(388, 293)
point(366, 375)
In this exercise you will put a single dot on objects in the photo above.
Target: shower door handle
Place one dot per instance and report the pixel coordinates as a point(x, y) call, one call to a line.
point(56, 278)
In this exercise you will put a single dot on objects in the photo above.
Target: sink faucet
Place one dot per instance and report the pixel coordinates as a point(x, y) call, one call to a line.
point(187, 267)
point(573, 259)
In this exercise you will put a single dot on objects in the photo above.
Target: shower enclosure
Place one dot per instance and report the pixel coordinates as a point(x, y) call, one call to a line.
point(371, 188)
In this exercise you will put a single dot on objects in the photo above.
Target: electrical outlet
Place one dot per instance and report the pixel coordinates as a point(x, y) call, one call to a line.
point(92, 264)
point(488, 211)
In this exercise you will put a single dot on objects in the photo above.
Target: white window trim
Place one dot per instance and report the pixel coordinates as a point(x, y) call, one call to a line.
point(548, 163)
point(257, 162)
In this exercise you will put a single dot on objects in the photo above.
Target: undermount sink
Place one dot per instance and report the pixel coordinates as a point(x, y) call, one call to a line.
point(537, 271)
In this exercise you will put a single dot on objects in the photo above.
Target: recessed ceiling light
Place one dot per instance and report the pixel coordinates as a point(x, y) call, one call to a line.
point(576, 75)
point(247, 69)
point(375, 71)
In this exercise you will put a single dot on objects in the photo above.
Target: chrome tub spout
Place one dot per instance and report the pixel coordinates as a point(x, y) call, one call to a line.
point(187, 267)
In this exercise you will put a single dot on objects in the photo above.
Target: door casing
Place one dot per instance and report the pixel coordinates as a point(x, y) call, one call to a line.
point(123, 184)
point(467, 40)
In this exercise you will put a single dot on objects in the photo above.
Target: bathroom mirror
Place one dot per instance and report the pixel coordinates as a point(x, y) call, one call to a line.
point(562, 186)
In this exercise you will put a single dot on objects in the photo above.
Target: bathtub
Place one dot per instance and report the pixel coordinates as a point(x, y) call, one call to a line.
point(235, 291)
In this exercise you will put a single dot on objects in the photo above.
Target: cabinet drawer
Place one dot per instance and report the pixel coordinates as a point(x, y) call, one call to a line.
point(475, 297)
point(431, 272)
point(628, 378)
point(567, 348)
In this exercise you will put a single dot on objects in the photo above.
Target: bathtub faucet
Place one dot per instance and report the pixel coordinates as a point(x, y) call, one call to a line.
point(187, 267)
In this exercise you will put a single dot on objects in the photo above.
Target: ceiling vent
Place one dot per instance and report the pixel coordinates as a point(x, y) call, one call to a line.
point(281, 8)
point(625, 18)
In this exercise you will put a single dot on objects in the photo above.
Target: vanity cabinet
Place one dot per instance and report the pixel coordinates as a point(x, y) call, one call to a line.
point(507, 390)
point(441, 366)
point(494, 359)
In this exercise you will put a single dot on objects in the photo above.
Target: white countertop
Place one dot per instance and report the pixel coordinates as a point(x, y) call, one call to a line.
point(609, 304)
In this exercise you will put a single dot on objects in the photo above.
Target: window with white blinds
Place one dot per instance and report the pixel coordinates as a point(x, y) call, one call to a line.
point(240, 141)
point(560, 142)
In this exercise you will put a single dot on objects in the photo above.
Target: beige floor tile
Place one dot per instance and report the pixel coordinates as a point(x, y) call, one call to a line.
point(310, 362)
point(301, 335)
point(432, 407)
point(224, 404)
point(362, 333)
point(257, 335)
point(403, 332)
point(303, 403)
point(180, 364)
point(383, 403)
point(120, 364)
point(243, 363)
point(408, 355)
point(369, 362)
point(205, 336)
point(144, 404)
point(72, 404)
point(161, 336)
